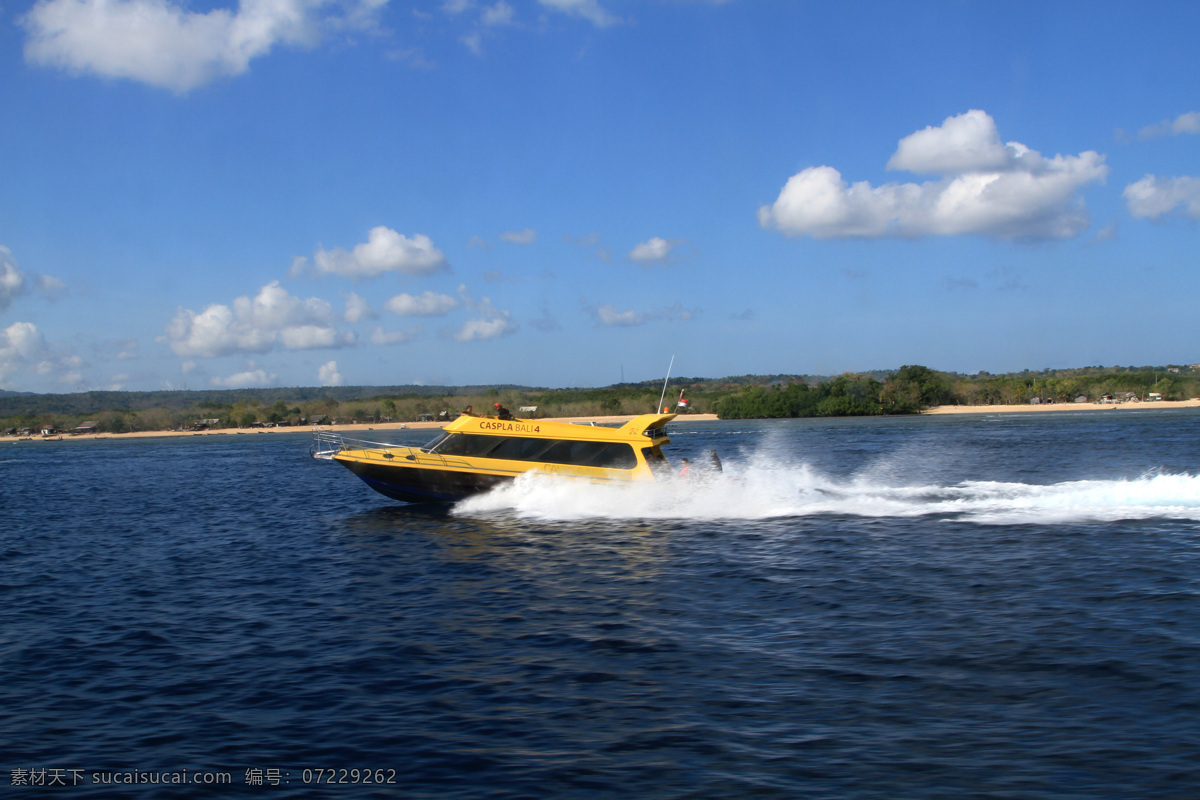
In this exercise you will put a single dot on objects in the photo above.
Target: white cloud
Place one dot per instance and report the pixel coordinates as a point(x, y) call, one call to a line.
point(328, 374)
point(384, 251)
point(1156, 197)
point(610, 316)
point(1108, 233)
point(497, 15)
point(246, 379)
point(1184, 123)
point(491, 322)
point(486, 328)
point(591, 10)
point(527, 236)
point(310, 337)
point(1009, 193)
point(14, 282)
point(23, 348)
point(428, 304)
point(21, 345)
point(163, 44)
point(49, 284)
point(357, 309)
point(381, 337)
point(653, 251)
point(474, 42)
point(966, 143)
point(256, 325)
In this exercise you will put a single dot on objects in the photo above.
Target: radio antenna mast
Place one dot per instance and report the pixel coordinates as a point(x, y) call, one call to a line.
point(664, 391)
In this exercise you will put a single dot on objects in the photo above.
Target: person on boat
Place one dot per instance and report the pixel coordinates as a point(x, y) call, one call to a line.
point(502, 412)
point(685, 472)
point(468, 412)
point(714, 462)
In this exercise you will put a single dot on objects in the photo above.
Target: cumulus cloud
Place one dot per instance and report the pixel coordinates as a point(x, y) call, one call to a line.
point(591, 10)
point(23, 349)
point(14, 282)
point(273, 318)
point(357, 309)
point(1153, 197)
point(384, 251)
point(653, 251)
point(966, 143)
point(1184, 123)
point(490, 322)
point(165, 44)
point(246, 379)
point(988, 189)
point(527, 236)
point(497, 15)
point(381, 337)
point(479, 329)
point(610, 316)
point(328, 374)
point(428, 304)
point(21, 345)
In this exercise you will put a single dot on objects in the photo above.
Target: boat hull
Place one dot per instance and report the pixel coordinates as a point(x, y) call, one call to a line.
point(423, 484)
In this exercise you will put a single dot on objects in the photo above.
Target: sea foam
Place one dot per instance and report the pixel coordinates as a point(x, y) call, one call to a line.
point(764, 488)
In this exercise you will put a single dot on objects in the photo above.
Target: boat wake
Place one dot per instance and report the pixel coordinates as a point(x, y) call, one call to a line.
point(763, 490)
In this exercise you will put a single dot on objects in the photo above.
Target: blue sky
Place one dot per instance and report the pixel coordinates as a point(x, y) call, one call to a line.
point(571, 192)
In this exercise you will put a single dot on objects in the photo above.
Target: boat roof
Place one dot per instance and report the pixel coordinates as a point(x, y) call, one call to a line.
point(639, 429)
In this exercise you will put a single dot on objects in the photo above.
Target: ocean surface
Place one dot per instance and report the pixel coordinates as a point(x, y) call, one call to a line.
point(932, 607)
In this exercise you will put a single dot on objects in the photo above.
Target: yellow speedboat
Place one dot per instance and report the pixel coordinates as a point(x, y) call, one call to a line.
point(476, 453)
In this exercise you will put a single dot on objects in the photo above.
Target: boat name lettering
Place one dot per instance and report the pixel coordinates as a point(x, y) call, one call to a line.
point(519, 427)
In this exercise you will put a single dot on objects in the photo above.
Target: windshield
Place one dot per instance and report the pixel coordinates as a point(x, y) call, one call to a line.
point(441, 437)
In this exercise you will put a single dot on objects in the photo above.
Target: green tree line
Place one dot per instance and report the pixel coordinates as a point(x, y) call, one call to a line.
point(909, 389)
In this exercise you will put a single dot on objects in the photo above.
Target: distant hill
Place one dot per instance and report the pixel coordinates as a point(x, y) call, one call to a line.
point(17, 404)
point(14, 404)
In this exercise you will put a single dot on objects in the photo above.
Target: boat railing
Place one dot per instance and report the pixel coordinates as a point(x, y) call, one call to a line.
point(326, 444)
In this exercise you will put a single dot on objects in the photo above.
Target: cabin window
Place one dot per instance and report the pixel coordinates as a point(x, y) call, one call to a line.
point(564, 452)
point(615, 456)
point(520, 449)
point(466, 444)
point(609, 455)
point(441, 437)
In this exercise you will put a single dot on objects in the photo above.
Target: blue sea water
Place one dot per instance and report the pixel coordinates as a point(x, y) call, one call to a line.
point(933, 607)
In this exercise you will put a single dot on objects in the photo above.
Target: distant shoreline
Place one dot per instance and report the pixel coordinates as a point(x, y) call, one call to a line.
point(1149, 405)
point(1025, 408)
point(358, 428)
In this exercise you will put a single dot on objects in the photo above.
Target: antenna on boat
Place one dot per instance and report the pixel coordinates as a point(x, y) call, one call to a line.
point(664, 391)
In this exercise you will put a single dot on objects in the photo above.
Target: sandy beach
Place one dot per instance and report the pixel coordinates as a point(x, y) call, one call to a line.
point(378, 427)
point(383, 427)
point(1051, 407)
